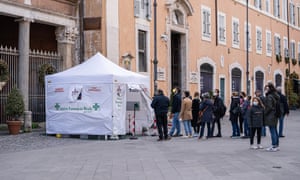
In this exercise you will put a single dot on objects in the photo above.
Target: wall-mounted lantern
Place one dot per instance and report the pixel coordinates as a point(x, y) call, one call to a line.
point(126, 59)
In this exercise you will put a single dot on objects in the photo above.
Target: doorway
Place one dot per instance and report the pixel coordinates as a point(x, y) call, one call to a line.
point(176, 60)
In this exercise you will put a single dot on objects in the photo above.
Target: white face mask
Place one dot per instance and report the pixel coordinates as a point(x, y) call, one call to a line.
point(255, 103)
point(215, 94)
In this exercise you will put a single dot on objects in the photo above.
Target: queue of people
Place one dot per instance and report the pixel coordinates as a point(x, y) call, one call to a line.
point(248, 116)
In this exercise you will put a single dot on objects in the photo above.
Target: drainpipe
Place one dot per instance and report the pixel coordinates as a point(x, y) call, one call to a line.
point(155, 61)
point(216, 17)
point(247, 49)
point(81, 31)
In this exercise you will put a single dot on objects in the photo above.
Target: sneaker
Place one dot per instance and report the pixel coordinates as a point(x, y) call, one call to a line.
point(260, 146)
point(272, 149)
point(281, 136)
point(189, 136)
point(253, 147)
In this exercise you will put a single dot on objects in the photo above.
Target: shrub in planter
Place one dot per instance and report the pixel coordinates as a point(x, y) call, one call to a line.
point(14, 109)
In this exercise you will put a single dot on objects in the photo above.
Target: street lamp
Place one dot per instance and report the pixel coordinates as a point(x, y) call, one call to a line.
point(155, 61)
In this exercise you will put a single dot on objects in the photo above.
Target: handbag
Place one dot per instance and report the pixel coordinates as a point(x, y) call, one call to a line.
point(200, 115)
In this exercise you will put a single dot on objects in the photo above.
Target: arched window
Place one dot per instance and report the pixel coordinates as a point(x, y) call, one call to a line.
point(206, 78)
point(278, 80)
point(236, 79)
point(259, 80)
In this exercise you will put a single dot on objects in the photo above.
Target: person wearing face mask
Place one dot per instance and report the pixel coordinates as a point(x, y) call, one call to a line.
point(262, 97)
point(243, 97)
point(255, 122)
point(218, 103)
point(244, 112)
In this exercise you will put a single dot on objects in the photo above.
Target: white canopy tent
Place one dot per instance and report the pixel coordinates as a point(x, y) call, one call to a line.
point(91, 99)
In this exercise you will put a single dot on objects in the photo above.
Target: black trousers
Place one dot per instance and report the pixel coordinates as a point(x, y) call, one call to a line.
point(216, 120)
point(252, 134)
point(162, 125)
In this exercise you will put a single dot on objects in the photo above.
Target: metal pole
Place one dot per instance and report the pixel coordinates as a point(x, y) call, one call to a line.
point(155, 61)
point(247, 49)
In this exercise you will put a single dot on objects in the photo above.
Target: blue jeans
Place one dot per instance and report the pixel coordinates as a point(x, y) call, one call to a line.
point(274, 136)
point(187, 127)
point(263, 131)
point(235, 128)
point(246, 127)
point(281, 125)
point(175, 124)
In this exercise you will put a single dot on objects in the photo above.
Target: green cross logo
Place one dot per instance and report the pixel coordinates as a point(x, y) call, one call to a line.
point(57, 106)
point(96, 106)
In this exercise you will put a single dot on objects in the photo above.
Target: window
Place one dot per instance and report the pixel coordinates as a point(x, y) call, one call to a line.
point(258, 40)
point(142, 51)
point(298, 15)
point(276, 8)
point(249, 38)
point(277, 45)
point(222, 28)
point(206, 22)
point(268, 6)
point(284, 10)
point(292, 13)
point(293, 50)
point(142, 9)
point(235, 33)
point(257, 4)
point(285, 47)
point(268, 43)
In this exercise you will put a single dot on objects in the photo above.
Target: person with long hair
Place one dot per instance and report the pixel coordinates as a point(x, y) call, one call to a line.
point(271, 120)
point(195, 113)
point(186, 113)
point(255, 120)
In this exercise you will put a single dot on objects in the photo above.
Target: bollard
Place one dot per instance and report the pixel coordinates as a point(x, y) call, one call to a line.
point(27, 121)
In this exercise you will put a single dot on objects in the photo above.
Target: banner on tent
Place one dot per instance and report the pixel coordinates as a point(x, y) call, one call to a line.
point(79, 109)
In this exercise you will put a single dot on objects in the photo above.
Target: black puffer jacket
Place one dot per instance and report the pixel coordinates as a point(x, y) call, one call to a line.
point(270, 109)
point(255, 116)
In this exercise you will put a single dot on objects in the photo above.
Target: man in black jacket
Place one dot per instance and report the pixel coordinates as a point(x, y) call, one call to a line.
point(284, 108)
point(176, 107)
point(217, 110)
point(160, 105)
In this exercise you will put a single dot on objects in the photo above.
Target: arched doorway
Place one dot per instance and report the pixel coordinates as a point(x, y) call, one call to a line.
point(206, 78)
point(259, 80)
point(236, 79)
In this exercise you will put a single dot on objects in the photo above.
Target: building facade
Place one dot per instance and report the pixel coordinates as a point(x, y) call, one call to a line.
point(34, 33)
point(202, 44)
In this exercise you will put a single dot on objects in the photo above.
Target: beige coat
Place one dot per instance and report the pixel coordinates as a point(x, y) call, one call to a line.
point(186, 109)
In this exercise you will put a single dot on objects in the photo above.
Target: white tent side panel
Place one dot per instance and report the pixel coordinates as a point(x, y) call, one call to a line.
point(79, 109)
point(119, 109)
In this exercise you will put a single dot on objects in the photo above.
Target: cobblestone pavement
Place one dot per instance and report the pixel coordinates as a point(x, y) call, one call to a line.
point(34, 156)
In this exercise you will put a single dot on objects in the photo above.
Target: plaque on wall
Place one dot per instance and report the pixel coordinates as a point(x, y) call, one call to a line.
point(193, 77)
point(161, 74)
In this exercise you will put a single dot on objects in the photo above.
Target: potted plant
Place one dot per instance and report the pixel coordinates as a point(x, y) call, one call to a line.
point(4, 74)
point(14, 109)
point(293, 101)
point(294, 61)
point(287, 60)
point(278, 58)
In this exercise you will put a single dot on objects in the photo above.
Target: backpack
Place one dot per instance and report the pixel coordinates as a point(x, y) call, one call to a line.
point(277, 108)
point(222, 109)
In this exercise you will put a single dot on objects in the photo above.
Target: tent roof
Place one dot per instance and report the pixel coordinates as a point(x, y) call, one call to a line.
point(98, 69)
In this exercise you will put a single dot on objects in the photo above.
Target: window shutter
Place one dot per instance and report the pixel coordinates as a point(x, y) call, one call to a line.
point(149, 4)
point(137, 8)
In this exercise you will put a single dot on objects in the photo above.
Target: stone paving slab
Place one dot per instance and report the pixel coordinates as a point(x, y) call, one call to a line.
point(35, 156)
